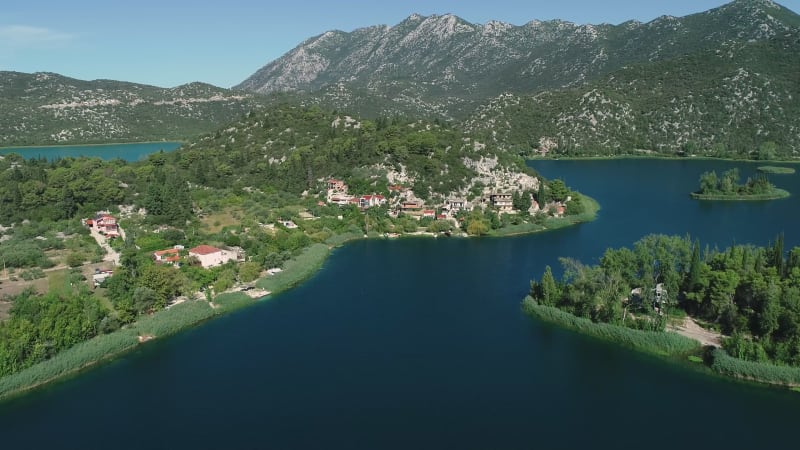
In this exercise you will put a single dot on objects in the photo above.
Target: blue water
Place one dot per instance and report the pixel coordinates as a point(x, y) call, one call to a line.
point(128, 152)
point(421, 344)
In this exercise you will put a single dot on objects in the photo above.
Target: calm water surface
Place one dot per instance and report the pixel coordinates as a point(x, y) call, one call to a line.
point(128, 152)
point(421, 344)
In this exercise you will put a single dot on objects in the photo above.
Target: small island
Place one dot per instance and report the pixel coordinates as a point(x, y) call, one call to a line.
point(776, 170)
point(727, 187)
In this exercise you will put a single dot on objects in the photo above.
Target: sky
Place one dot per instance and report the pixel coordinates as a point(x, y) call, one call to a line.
point(169, 42)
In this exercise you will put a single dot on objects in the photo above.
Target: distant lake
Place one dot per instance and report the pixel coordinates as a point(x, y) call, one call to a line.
point(129, 152)
point(421, 344)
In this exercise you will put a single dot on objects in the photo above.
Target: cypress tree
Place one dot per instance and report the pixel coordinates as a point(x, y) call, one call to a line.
point(777, 255)
point(550, 293)
point(693, 279)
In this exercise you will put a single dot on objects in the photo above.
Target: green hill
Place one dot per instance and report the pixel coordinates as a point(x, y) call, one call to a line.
point(46, 108)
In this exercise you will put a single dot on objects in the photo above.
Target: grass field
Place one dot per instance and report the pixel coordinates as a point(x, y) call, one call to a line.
point(57, 280)
point(219, 220)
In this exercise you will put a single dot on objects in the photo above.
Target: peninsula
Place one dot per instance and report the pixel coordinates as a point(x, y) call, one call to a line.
point(742, 293)
point(254, 208)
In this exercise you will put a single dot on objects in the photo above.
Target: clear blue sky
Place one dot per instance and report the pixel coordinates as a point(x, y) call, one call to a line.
point(167, 43)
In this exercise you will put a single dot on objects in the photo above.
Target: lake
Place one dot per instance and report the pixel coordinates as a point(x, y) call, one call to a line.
point(128, 152)
point(420, 343)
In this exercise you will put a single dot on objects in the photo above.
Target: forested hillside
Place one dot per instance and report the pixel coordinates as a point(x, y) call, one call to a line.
point(727, 102)
point(295, 149)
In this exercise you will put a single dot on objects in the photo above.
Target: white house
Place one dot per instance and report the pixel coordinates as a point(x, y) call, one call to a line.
point(211, 256)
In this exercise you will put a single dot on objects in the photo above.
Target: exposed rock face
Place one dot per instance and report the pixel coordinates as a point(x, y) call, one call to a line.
point(442, 65)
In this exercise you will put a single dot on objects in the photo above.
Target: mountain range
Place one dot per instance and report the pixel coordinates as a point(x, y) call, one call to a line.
point(719, 82)
point(722, 82)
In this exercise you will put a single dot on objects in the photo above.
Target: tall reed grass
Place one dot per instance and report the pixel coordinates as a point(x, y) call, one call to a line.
point(762, 372)
point(296, 270)
point(655, 342)
point(69, 361)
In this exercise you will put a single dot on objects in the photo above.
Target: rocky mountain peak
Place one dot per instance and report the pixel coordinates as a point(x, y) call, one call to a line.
point(439, 64)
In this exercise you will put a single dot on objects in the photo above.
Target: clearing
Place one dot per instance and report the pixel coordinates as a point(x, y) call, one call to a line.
point(219, 220)
point(692, 330)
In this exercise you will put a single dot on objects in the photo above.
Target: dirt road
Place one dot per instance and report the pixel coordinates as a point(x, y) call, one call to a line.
point(111, 254)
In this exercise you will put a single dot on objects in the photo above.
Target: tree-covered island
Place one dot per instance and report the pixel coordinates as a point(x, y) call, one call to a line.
point(98, 256)
point(748, 296)
point(728, 187)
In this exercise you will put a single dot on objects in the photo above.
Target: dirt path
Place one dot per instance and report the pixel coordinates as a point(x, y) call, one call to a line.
point(692, 330)
point(111, 254)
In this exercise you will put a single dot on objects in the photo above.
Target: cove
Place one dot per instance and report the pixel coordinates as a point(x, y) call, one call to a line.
point(420, 343)
point(128, 152)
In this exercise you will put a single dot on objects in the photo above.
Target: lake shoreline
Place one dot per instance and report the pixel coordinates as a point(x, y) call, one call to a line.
point(672, 347)
point(776, 194)
point(661, 157)
point(297, 270)
point(55, 146)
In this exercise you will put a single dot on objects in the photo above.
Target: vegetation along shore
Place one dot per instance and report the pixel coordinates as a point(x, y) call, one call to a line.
point(635, 296)
point(776, 170)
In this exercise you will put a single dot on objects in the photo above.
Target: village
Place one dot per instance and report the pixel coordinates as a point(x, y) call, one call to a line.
point(402, 201)
point(104, 227)
point(397, 204)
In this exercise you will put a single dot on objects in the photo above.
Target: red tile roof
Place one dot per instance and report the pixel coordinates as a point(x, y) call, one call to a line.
point(204, 250)
point(167, 251)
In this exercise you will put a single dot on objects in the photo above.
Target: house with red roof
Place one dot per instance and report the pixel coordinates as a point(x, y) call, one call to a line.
point(368, 201)
point(106, 224)
point(410, 206)
point(211, 256)
point(168, 256)
point(429, 213)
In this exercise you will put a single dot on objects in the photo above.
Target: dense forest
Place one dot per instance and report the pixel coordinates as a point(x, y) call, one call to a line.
point(751, 294)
